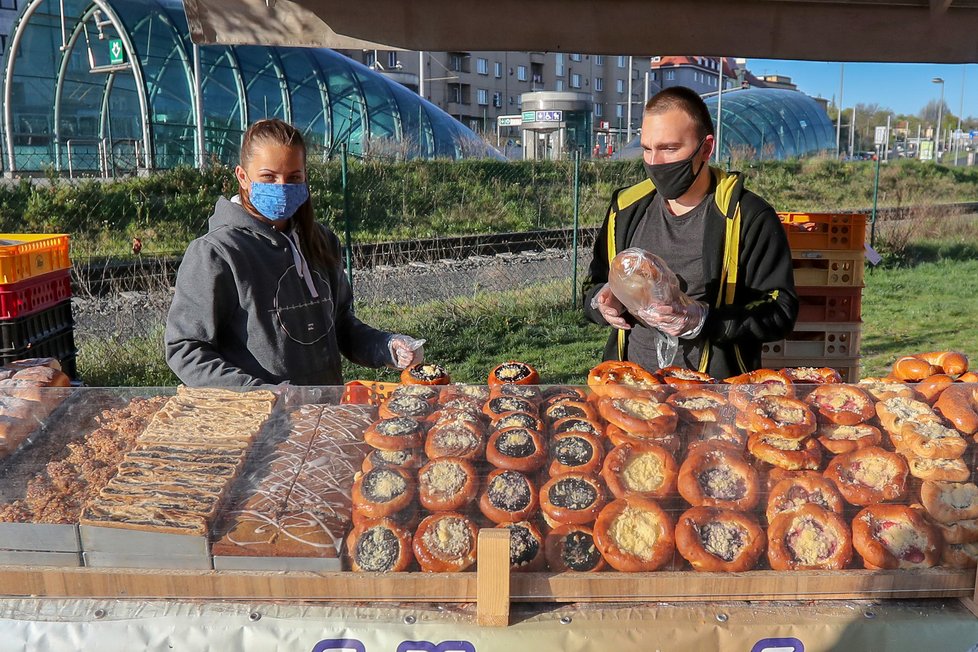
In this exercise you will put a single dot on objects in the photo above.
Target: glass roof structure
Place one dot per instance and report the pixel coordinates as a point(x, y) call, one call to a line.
point(110, 86)
point(771, 123)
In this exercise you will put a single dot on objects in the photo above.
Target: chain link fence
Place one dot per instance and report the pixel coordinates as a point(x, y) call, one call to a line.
point(414, 232)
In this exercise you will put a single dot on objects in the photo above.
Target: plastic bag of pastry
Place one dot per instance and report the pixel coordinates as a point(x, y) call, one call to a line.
point(643, 281)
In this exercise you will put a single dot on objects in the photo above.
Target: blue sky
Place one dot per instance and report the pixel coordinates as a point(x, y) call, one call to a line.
point(902, 87)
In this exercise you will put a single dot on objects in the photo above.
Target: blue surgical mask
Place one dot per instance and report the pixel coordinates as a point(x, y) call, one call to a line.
point(278, 201)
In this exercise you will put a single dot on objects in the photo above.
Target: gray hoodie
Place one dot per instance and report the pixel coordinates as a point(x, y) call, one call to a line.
point(248, 311)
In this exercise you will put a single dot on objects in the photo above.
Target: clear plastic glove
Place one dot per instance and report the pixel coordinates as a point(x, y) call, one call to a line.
point(684, 319)
point(611, 309)
point(406, 351)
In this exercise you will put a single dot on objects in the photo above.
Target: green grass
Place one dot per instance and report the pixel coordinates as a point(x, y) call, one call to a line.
point(924, 299)
point(929, 303)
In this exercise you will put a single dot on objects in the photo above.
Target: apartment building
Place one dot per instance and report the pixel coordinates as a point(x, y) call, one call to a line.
point(478, 87)
point(8, 12)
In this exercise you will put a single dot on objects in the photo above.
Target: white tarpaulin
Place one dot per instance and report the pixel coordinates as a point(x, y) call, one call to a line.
point(124, 626)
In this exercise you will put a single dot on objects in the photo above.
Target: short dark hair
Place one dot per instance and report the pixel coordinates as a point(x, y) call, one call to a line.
point(687, 101)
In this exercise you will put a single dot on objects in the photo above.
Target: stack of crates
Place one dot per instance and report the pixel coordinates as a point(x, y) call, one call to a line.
point(35, 299)
point(827, 253)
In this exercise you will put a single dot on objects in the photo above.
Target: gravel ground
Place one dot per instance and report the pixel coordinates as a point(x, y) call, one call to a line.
point(128, 314)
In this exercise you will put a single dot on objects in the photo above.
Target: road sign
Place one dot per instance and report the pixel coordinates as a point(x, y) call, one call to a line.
point(543, 116)
point(509, 120)
point(117, 54)
point(880, 136)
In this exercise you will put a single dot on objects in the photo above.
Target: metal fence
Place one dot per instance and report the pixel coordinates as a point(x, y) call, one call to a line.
point(413, 232)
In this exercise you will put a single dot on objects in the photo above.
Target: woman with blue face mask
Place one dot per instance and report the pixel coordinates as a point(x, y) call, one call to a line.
point(262, 299)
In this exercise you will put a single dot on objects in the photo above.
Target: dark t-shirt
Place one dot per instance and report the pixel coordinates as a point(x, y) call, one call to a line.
point(678, 240)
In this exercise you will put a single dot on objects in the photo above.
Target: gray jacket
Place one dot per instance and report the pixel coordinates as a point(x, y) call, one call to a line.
point(245, 314)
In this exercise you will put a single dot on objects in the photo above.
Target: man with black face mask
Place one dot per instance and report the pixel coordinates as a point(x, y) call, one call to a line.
point(725, 244)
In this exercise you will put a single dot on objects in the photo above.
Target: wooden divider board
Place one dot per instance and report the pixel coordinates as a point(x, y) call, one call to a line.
point(462, 587)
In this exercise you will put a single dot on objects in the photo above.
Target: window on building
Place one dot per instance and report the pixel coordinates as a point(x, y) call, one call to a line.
point(482, 66)
point(498, 70)
point(598, 60)
point(512, 101)
point(575, 57)
point(559, 85)
point(598, 110)
point(392, 61)
point(575, 80)
point(521, 73)
point(598, 84)
point(670, 75)
point(369, 59)
point(622, 61)
point(619, 110)
point(456, 62)
point(519, 101)
point(620, 85)
point(559, 64)
point(482, 96)
point(3, 43)
point(8, 4)
point(455, 93)
point(497, 99)
point(652, 75)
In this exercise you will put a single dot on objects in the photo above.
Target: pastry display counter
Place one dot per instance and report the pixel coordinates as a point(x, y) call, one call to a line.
point(627, 490)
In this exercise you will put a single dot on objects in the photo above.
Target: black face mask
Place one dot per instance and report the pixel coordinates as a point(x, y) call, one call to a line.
point(672, 180)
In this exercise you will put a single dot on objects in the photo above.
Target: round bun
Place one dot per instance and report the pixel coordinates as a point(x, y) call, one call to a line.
point(910, 368)
point(639, 415)
point(696, 405)
point(644, 469)
point(382, 491)
point(845, 439)
point(575, 451)
point(398, 433)
point(408, 459)
point(718, 476)
point(634, 534)
point(953, 363)
point(810, 538)
point(571, 498)
point(719, 540)
point(526, 547)
point(812, 375)
point(518, 373)
point(446, 542)
point(895, 536)
point(571, 548)
point(682, 378)
point(519, 449)
point(780, 416)
point(379, 546)
point(425, 373)
point(845, 405)
point(620, 378)
point(762, 382)
point(447, 484)
point(508, 497)
point(791, 494)
point(869, 475)
point(458, 439)
point(789, 454)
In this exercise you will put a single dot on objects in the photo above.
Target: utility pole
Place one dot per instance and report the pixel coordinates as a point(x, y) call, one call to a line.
point(838, 122)
point(716, 149)
point(628, 138)
point(421, 74)
point(852, 133)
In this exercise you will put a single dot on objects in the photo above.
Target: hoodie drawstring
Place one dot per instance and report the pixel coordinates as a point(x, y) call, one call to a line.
point(301, 266)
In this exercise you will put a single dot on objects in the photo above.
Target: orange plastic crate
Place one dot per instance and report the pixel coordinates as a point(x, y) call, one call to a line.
point(829, 304)
point(829, 268)
point(846, 231)
point(848, 368)
point(26, 255)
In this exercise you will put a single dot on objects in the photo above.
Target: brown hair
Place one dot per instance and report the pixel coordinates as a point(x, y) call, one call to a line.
point(277, 132)
point(685, 100)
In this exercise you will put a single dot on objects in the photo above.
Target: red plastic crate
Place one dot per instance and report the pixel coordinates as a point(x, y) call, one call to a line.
point(825, 230)
point(829, 304)
point(35, 294)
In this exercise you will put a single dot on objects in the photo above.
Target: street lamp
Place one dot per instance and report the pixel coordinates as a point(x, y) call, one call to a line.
point(940, 116)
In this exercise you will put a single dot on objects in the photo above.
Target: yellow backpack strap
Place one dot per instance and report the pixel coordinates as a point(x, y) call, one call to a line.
point(626, 198)
point(612, 252)
point(727, 187)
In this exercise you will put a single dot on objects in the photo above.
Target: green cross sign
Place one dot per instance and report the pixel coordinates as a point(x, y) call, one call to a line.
point(116, 52)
